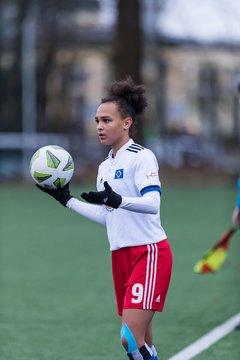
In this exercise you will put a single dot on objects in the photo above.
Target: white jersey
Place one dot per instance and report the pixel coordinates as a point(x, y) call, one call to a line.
point(131, 173)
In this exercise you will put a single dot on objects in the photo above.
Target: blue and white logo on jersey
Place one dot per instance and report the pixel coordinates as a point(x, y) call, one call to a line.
point(119, 174)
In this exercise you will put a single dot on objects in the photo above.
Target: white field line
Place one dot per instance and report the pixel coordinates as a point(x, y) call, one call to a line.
point(207, 340)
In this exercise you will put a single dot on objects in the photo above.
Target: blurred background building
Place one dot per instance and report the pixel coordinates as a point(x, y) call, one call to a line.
point(56, 58)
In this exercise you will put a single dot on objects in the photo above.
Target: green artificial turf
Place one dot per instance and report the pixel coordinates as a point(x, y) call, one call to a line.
point(56, 293)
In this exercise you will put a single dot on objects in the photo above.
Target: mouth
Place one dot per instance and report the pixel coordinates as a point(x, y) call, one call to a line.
point(102, 136)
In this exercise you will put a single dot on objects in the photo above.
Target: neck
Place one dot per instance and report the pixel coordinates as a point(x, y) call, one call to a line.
point(118, 146)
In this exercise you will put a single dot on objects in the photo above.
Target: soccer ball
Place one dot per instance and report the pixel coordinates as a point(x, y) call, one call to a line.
point(51, 166)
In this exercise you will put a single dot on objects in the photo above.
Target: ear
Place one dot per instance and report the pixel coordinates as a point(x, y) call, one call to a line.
point(127, 122)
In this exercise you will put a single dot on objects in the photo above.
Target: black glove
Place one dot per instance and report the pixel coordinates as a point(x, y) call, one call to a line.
point(107, 197)
point(62, 195)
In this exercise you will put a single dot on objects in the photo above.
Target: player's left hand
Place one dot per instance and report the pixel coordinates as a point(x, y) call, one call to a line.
point(106, 197)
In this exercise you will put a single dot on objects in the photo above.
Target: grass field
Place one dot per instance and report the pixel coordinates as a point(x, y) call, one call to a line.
point(56, 294)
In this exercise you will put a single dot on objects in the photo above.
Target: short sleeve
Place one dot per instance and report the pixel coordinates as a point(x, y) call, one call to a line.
point(146, 172)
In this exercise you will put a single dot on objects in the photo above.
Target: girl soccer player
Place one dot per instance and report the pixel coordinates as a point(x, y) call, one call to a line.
point(128, 192)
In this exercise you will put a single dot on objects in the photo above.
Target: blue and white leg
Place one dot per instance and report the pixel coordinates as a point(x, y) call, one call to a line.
point(133, 352)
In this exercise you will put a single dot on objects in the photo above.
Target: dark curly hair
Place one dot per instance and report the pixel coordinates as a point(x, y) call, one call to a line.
point(129, 97)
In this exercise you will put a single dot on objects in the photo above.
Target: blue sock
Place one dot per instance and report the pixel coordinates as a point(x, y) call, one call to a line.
point(141, 354)
point(154, 351)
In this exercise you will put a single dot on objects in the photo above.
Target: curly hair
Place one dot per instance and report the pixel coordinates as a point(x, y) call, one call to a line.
point(129, 97)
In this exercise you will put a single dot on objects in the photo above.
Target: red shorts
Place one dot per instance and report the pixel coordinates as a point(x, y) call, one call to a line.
point(141, 276)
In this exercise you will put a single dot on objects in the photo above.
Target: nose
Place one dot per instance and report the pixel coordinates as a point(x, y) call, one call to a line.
point(99, 125)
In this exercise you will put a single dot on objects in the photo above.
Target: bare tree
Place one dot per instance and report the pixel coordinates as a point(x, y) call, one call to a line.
point(128, 48)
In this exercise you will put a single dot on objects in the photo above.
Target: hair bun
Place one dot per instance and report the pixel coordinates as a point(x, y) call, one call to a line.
point(133, 94)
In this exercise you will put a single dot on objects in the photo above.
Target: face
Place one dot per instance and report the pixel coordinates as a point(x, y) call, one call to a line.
point(112, 129)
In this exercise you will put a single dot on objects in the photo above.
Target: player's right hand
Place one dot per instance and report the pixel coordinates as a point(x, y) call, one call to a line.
point(62, 195)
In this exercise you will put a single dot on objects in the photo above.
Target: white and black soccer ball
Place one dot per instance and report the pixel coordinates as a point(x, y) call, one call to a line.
point(51, 166)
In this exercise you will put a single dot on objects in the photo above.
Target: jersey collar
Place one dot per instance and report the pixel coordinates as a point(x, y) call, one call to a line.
point(121, 150)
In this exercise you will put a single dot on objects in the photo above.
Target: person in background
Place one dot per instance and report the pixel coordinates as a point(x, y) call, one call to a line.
point(236, 211)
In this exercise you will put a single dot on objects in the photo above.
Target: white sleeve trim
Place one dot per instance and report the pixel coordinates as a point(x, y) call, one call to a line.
point(90, 211)
point(147, 204)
